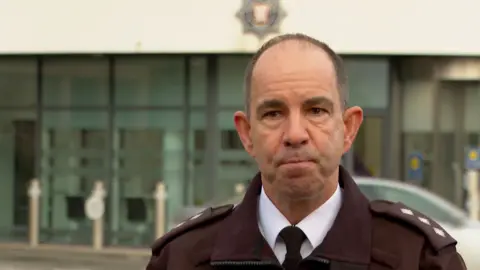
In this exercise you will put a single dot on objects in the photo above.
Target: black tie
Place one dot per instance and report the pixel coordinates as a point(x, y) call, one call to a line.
point(293, 238)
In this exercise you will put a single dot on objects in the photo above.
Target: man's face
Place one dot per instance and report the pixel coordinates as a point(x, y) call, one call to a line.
point(297, 130)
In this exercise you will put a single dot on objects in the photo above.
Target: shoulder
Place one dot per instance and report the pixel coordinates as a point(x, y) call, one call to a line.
point(200, 225)
point(410, 220)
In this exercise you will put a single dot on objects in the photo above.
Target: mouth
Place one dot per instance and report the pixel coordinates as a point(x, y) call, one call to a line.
point(296, 162)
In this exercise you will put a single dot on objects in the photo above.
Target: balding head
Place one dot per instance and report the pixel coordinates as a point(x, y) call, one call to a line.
point(294, 42)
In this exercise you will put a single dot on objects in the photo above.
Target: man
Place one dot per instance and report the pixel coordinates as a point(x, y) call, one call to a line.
point(303, 210)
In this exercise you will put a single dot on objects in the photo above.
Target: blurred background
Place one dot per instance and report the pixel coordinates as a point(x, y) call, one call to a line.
point(136, 93)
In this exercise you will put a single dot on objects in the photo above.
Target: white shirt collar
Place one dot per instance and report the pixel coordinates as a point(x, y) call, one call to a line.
point(315, 226)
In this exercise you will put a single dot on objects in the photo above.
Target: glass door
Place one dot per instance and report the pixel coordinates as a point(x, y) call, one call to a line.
point(457, 127)
point(138, 167)
point(74, 156)
point(17, 168)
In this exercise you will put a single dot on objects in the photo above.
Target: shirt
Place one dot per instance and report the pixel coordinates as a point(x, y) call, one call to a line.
point(315, 226)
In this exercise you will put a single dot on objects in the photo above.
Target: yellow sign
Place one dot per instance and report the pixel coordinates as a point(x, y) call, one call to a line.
point(473, 155)
point(414, 163)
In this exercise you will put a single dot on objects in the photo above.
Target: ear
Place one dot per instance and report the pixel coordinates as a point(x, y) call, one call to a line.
point(242, 125)
point(352, 120)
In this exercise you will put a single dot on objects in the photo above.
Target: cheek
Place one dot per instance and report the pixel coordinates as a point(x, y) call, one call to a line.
point(265, 144)
point(338, 136)
point(328, 138)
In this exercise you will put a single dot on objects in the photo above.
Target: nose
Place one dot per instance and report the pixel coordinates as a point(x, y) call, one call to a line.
point(296, 134)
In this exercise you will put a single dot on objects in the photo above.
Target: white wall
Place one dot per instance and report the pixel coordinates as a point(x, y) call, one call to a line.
point(350, 26)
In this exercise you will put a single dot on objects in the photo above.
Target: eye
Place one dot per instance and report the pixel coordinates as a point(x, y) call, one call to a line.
point(317, 110)
point(271, 114)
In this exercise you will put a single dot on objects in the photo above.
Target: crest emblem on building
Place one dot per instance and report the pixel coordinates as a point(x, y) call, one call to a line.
point(261, 17)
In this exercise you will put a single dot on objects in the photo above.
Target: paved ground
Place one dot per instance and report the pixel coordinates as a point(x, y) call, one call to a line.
point(18, 257)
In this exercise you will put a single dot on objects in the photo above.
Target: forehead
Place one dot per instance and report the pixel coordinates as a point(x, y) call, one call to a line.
point(294, 67)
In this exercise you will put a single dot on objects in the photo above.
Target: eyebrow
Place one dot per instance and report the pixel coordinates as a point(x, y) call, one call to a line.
point(324, 101)
point(276, 103)
point(268, 104)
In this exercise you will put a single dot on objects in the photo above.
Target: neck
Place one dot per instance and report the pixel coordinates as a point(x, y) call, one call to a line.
point(295, 209)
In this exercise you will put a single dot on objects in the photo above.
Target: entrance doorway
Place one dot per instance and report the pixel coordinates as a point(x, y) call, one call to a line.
point(24, 168)
point(456, 127)
point(17, 168)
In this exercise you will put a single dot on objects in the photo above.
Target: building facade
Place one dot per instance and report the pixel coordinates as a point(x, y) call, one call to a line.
point(145, 91)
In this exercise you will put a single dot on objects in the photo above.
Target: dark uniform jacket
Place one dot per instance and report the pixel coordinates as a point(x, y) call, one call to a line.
point(378, 236)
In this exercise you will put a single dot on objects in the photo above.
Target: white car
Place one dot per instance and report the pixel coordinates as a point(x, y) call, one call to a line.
point(451, 218)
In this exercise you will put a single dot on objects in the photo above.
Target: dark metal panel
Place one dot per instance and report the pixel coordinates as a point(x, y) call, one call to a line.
point(111, 112)
point(460, 142)
point(437, 139)
point(112, 202)
point(389, 125)
point(212, 132)
point(39, 116)
point(394, 149)
point(186, 134)
point(75, 108)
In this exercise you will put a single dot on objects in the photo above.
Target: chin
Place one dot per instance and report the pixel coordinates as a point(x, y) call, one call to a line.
point(294, 194)
point(304, 186)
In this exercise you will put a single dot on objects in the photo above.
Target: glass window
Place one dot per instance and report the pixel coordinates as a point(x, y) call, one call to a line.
point(74, 156)
point(148, 148)
point(368, 81)
point(198, 81)
point(75, 82)
point(199, 184)
point(230, 140)
point(199, 139)
point(18, 83)
point(235, 164)
point(414, 200)
point(368, 147)
point(231, 70)
point(196, 185)
point(150, 82)
point(18, 162)
point(472, 99)
point(421, 142)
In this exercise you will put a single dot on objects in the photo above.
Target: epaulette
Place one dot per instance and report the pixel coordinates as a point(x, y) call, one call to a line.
point(433, 232)
point(207, 216)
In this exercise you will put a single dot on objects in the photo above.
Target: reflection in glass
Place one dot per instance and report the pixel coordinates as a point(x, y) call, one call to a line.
point(75, 82)
point(148, 148)
point(369, 82)
point(197, 166)
point(421, 142)
point(235, 164)
point(231, 71)
point(368, 147)
point(198, 81)
point(155, 81)
point(17, 168)
point(74, 156)
point(18, 83)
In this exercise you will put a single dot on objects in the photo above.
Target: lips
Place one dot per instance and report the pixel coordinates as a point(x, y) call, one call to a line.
point(294, 161)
